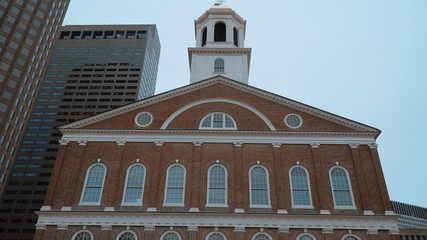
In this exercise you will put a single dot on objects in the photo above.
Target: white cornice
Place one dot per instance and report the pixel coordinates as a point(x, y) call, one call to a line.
point(228, 82)
point(307, 221)
point(264, 137)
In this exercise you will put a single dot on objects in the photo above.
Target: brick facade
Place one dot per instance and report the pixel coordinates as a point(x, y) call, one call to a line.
point(114, 140)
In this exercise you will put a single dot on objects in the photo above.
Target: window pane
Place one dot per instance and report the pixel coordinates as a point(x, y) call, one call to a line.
point(135, 184)
point(171, 236)
point(216, 236)
point(94, 183)
point(341, 187)
point(175, 188)
point(300, 191)
point(262, 237)
point(259, 188)
point(217, 186)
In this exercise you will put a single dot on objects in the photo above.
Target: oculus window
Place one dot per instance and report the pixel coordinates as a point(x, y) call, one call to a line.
point(143, 119)
point(293, 120)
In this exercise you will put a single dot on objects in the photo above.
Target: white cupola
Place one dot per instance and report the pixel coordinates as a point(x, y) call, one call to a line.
point(220, 35)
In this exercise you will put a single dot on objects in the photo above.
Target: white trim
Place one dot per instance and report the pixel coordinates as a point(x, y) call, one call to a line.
point(136, 122)
point(164, 234)
point(77, 233)
point(300, 118)
point(310, 206)
point(218, 219)
point(125, 231)
point(353, 206)
point(302, 234)
point(223, 118)
point(166, 187)
point(224, 100)
point(350, 235)
point(226, 188)
point(220, 233)
point(81, 203)
point(126, 183)
point(250, 188)
point(262, 233)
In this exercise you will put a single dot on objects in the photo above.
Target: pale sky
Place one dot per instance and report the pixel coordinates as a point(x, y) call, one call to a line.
point(361, 59)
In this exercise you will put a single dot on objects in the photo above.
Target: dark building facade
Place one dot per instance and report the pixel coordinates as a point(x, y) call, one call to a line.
point(92, 69)
point(28, 29)
point(412, 222)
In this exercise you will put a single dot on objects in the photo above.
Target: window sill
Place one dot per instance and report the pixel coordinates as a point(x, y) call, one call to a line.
point(302, 207)
point(345, 207)
point(218, 73)
point(216, 205)
point(260, 206)
point(173, 204)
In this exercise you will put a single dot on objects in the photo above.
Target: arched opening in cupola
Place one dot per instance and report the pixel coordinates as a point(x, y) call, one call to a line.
point(220, 35)
point(204, 36)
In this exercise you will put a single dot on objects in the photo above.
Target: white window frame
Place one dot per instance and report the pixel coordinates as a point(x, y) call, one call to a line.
point(85, 183)
point(166, 187)
point(223, 118)
point(353, 206)
point(262, 233)
point(309, 188)
point(211, 233)
point(164, 234)
point(350, 235)
point(302, 234)
point(126, 183)
point(78, 232)
point(223, 65)
point(226, 188)
point(125, 231)
point(268, 188)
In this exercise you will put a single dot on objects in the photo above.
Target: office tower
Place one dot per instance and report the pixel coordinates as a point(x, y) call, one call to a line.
point(92, 69)
point(27, 32)
point(217, 159)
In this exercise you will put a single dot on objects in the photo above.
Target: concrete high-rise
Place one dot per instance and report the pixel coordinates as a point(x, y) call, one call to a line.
point(92, 69)
point(28, 29)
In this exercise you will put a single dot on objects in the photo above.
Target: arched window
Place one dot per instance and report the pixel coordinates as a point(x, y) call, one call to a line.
point(127, 235)
point(134, 189)
point(219, 65)
point(259, 189)
point(300, 187)
point(93, 185)
point(175, 181)
point(341, 187)
point(216, 236)
point(236, 37)
point(305, 237)
point(82, 235)
point(217, 186)
point(204, 36)
point(220, 33)
point(218, 121)
point(261, 236)
point(350, 237)
point(170, 236)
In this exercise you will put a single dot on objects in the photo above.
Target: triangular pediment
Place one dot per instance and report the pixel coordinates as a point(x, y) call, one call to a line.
point(263, 110)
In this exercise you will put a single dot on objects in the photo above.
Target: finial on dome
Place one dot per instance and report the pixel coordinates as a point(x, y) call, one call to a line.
point(220, 2)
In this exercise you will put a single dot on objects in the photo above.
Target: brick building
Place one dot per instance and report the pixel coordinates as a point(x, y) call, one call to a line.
point(217, 159)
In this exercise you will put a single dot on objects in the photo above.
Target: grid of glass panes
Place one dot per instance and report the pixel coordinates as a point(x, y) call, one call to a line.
point(219, 65)
point(171, 236)
point(83, 236)
point(217, 186)
point(175, 187)
point(259, 186)
point(299, 183)
point(350, 238)
point(341, 187)
point(306, 237)
point(127, 236)
point(218, 121)
point(216, 236)
point(94, 183)
point(135, 184)
point(261, 237)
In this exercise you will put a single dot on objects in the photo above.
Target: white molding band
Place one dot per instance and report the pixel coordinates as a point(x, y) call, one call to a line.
point(216, 100)
point(280, 221)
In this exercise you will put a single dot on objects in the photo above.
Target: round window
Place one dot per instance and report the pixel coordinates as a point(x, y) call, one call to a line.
point(143, 119)
point(293, 120)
